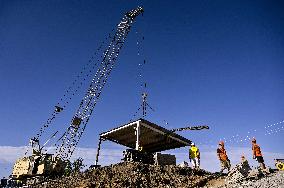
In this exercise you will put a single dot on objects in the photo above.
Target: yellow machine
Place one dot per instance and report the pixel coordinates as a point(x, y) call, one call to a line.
point(32, 168)
point(279, 163)
point(37, 165)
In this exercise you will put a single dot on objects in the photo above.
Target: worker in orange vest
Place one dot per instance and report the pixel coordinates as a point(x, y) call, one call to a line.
point(223, 157)
point(256, 153)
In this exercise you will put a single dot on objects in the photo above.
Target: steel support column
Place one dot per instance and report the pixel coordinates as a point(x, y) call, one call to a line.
point(137, 132)
point(98, 150)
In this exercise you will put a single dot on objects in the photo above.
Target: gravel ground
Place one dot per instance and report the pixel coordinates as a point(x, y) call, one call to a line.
point(274, 180)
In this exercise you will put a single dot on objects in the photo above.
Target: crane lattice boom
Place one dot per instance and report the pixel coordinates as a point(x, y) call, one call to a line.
point(72, 135)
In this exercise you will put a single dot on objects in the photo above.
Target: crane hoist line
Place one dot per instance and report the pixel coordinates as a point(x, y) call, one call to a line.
point(72, 135)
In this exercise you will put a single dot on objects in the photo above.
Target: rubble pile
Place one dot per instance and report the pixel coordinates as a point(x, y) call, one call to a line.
point(242, 175)
point(240, 172)
point(273, 180)
point(133, 175)
point(243, 171)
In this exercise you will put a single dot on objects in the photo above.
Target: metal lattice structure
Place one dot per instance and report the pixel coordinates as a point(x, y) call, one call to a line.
point(68, 142)
point(197, 128)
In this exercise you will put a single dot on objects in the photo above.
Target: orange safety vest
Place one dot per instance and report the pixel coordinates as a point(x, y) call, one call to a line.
point(222, 154)
point(256, 150)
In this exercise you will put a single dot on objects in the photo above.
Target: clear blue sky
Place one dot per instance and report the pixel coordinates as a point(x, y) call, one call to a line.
point(217, 62)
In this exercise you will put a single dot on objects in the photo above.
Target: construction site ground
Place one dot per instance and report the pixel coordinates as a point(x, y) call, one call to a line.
point(141, 175)
point(273, 180)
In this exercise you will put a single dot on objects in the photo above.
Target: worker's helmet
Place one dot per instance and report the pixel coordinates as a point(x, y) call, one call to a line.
point(192, 144)
point(221, 143)
point(253, 140)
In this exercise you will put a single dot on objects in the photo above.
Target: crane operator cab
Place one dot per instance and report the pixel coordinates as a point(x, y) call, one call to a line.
point(34, 142)
point(37, 164)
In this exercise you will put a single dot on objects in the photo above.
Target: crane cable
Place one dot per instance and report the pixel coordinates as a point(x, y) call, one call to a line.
point(64, 137)
point(86, 107)
point(237, 138)
point(143, 83)
point(79, 80)
point(73, 89)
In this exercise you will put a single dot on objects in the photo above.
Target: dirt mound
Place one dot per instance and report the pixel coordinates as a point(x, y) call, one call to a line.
point(133, 175)
point(243, 171)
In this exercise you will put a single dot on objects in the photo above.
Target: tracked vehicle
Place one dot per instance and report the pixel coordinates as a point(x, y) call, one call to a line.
point(40, 165)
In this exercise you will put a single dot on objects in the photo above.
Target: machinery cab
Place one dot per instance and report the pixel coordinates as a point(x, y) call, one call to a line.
point(37, 164)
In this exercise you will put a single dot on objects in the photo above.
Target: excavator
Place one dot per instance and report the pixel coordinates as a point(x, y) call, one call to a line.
point(40, 165)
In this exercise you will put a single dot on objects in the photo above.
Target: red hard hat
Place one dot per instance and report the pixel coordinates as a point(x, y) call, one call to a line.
point(221, 143)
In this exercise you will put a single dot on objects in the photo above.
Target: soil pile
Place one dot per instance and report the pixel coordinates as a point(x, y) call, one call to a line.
point(141, 175)
point(133, 175)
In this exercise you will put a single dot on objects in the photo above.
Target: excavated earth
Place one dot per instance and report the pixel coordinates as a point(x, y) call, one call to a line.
point(133, 175)
point(141, 175)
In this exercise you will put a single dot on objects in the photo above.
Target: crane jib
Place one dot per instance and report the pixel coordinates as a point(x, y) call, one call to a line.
point(72, 135)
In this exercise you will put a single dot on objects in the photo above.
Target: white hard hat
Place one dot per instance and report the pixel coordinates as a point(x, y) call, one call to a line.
point(192, 144)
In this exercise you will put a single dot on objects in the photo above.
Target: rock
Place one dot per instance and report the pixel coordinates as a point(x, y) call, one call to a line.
point(239, 172)
point(183, 164)
point(272, 180)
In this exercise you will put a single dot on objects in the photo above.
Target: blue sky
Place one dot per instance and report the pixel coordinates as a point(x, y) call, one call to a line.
point(208, 62)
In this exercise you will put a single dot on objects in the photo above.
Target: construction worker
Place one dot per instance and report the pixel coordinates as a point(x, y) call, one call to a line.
point(223, 157)
point(194, 156)
point(244, 161)
point(256, 154)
